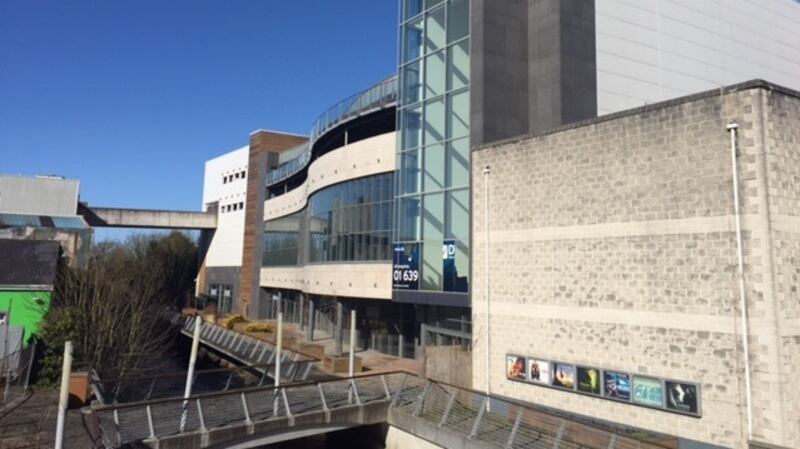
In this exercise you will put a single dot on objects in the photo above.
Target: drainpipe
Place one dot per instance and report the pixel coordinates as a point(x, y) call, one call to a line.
point(732, 127)
point(486, 280)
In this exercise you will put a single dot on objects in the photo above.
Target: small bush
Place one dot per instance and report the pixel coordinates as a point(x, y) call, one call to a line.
point(260, 326)
point(229, 322)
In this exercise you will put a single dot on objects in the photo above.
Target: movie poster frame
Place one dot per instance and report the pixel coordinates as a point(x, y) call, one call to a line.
point(602, 396)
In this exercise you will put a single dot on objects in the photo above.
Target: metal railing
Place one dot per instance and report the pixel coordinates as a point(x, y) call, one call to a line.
point(249, 350)
point(507, 424)
point(126, 424)
point(376, 97)
point(15, 373)
point(169, 385)
point(495, 422)
point(447, 333)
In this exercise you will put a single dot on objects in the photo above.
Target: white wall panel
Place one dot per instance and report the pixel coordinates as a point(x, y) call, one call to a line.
point(654, 50)
point(225, 249)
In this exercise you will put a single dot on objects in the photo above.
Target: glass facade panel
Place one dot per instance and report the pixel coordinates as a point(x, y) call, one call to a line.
point(412, 8)
point(458, 163)
point(411, 163)
point(434, 121)
point(412, 43)
point(433, 183)
point(434, 178)
point(412, 83)
point(457, 19)
point(457, 215)
point(458, 118)
point(282, 240)
point(412, 127)
point(458, 65)
point(434, 74)
point(409, 219)
point(346, 222)
point(434, 33)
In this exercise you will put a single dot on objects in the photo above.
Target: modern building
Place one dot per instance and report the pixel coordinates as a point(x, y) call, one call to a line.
point(381, 207)
point(44, 208)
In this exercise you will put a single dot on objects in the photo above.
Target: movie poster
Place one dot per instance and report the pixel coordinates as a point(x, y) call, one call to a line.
point(617, 385)
point(515, 367)
point(589, 380)
point(683, 397)
point(539, 371)
point(648, 391)
point(563, 376)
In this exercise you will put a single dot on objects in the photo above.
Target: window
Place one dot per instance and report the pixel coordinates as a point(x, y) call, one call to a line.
point(241, 205)
point(344, 222)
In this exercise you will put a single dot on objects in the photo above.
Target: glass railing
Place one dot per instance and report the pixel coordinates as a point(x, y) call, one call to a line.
point(376, 97)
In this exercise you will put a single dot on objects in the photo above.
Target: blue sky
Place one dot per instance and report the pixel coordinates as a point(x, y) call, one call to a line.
point(133, 97)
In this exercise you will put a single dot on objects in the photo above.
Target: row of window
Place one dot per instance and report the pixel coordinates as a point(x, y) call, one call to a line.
point(351, 221)
point(233, 207)
point(229, 178)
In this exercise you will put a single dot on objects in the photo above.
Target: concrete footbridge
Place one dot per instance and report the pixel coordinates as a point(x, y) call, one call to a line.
point(114, 217)
point(438, 413)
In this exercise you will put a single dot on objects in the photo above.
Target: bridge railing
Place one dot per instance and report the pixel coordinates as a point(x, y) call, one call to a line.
point(509, 424)
point(126, 424)
point(169, 385)
point(249, 350)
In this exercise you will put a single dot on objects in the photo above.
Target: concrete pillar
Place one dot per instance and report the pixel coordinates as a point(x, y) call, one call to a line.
point(338, 334)
point(300, 312)
point(310, 328)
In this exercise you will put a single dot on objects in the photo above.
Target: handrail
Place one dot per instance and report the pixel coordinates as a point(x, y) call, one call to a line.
point(378, 96)
point(291, 386)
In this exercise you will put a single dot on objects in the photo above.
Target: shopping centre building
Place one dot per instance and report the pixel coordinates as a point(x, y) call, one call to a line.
point(606, 251)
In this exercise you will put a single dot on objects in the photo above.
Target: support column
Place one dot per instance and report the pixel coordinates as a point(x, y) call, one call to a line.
point(338, 334)
point(310, 328)
point(301, 299)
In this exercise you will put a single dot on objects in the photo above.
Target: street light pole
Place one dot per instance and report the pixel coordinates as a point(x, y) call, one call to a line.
point(488, 362)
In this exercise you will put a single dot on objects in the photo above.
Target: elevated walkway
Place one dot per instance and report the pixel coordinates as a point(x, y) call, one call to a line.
point(253, 352)
point(112, 217)
point(445, 415)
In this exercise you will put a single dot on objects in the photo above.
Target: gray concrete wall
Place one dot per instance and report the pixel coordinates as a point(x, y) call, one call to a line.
point(533, 66)
point(613, 245)
point(449, 364)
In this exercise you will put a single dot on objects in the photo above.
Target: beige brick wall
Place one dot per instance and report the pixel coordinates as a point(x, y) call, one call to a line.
point(613, 245)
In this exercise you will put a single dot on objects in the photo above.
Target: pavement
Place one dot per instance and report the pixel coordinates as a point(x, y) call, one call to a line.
point(32, 424)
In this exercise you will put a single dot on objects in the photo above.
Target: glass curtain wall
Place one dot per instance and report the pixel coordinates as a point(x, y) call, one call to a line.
point(346, 222)
point(282, 240)
point(352, 221)
point(433, 150)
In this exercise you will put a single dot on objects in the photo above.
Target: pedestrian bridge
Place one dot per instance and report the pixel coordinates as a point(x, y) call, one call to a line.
point(442, 414)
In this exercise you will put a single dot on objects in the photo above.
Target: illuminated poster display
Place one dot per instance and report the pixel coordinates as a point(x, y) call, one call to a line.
point(634, 389)
point(648, 391)
point(405, 261)
point(539, 371)
point(563, 376)
point(617, 385)
point(515, 367)
point(682, 397)
point(589, 380)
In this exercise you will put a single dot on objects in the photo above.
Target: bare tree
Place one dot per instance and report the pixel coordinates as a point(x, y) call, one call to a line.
point(113, 310)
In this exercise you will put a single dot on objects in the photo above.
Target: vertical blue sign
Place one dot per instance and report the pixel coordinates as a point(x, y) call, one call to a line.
point(405, 261)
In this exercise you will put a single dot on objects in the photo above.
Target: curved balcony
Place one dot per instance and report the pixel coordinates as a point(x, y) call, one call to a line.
point(375, 98)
